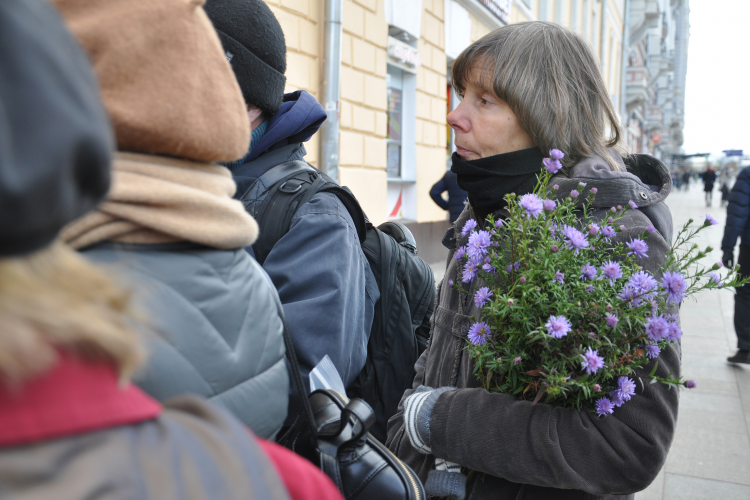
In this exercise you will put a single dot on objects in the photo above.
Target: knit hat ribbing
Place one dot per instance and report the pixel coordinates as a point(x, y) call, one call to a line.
point(254, 45)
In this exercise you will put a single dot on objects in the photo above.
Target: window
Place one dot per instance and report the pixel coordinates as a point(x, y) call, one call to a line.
point(395, 84)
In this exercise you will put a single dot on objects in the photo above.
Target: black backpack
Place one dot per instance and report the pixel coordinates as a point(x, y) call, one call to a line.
point(401, 324)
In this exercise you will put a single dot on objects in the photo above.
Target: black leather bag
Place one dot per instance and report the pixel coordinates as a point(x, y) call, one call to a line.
point(332, 433)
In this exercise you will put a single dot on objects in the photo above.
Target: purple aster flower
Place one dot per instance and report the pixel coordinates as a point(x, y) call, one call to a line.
point(616, 399)
point(588, 272)
point(710, 220)
point(517, 360)
point(690, 384)
point(470, 272)
point(593, 229)
point(460, 253)
point(552, 166)
point(556, 154)
point(468, 227)
point(650, 229)
point(591, 361)
point(641, 286)
point(611, 271)
point(482, 296)
point(550, 205)
point(488, 268)
point(652, 351)
point(558, 326)
point(574, 193)
point(594, 190)
point(498, 223)
point(625, 388)
point(715, 278)
point(674, 332)
point(515, 265)
point(450, 282)
point(674, 286)
point(559, 277)
point(532, 204)
point(657, 328)
point(632, 204)
point(604, 407)
point(638, 248)
point(589, 288)
point(478, 333)
point(479, 241)
point(575, 238)
point(611, 320)
point(608, 232)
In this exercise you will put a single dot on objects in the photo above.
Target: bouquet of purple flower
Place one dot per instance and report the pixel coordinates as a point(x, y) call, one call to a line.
point(567, 314)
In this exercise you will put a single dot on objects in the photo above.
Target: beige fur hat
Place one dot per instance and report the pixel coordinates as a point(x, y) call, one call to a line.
point(163, 76)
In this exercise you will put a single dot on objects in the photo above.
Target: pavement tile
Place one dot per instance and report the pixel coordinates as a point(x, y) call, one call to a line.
point(710, 453)
point(689, 418)
point(680, 487)
point(654, 491)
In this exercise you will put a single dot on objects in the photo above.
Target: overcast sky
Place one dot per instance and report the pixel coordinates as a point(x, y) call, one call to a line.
point(717, 93)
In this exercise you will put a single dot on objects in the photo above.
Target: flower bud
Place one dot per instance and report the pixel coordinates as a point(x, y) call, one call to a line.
point(613, 209)
point(622, 227)
point(556, 187)
point(517, 360)
point(594, 190)
point(450, 282)
point(499, 360)
point(597, 388)
point(522, 280)
point(690, 384)
point(592, 335)
point(574, 194)
point(511, 302)
point(610, 220)
point(619, 207)
point(609, 308)
point(554, 248)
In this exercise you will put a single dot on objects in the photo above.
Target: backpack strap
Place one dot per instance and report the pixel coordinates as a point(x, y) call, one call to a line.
point(275, 197)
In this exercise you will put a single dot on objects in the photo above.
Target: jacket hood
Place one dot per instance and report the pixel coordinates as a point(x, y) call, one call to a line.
point(646, 181)
point(299, 117)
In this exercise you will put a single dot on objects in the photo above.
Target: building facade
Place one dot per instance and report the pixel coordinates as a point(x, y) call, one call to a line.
point(656, 69)
point(396, 55)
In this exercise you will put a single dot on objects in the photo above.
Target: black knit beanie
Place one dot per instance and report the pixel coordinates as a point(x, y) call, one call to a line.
point(254, 45)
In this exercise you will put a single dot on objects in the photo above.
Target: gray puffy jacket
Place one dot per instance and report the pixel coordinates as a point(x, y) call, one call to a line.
point(218, 314)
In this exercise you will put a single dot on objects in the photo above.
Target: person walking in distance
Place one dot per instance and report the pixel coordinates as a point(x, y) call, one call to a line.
point(709, 177)
point(456, 196)
point(738, 225)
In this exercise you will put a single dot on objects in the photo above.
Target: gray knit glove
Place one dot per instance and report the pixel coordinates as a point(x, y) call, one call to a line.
point(417, 415)
point(446, 480)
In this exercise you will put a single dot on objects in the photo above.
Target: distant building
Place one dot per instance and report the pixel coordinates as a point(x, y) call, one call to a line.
point(655, 77)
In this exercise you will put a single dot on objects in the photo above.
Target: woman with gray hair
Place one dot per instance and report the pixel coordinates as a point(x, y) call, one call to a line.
point(528, 88)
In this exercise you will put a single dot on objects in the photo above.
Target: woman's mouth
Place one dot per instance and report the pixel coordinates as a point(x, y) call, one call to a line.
point(463, 151)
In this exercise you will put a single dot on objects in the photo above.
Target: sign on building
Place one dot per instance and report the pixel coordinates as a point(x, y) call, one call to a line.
point(501, 8)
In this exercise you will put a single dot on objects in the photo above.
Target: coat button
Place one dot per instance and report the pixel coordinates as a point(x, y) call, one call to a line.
point(643, 195)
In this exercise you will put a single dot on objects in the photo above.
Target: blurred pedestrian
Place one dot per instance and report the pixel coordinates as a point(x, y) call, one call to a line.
point(169, 226)
point(738, 225)
point(686, 176)
point(725, 181)
point(709, 177)
point(318, 267)
point(456, 196)
point(72, 425)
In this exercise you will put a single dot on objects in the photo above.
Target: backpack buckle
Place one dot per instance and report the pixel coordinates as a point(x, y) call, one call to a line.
point(292, 188)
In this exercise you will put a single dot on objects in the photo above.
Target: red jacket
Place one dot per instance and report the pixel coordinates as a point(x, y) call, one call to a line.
point(75, 418)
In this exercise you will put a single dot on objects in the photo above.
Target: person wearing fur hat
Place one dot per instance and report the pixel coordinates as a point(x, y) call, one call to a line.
point(72, 425)
point(323, 278)
point(169, 226)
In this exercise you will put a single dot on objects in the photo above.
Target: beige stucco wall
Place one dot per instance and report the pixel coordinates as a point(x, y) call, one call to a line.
point(300, 21)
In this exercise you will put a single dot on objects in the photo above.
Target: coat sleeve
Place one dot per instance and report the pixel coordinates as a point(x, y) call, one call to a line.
point(326, 286)
point(738, 211)
point(564, 448)
point(436, 193)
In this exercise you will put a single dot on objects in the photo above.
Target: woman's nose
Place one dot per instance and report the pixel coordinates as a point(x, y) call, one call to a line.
point(457, 119)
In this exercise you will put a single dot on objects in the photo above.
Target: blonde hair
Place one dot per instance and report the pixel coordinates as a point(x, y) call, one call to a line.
point(54, 299)
point(551, 80)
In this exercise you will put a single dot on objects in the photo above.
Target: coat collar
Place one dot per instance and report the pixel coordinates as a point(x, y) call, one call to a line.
point(74, 397)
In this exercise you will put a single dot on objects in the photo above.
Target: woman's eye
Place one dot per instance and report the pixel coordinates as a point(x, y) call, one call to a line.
point(483, 101)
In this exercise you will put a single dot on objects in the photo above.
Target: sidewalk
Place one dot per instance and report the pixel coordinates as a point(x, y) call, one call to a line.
point(710, 455)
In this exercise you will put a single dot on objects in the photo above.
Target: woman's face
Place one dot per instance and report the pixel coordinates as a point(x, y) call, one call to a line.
point(485, 125)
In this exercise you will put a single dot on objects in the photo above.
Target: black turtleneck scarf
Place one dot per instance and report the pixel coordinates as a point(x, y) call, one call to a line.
point(488, 180)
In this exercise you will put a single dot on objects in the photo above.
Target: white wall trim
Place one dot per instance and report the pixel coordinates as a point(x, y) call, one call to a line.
point(481, 12)
point(521, 5)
